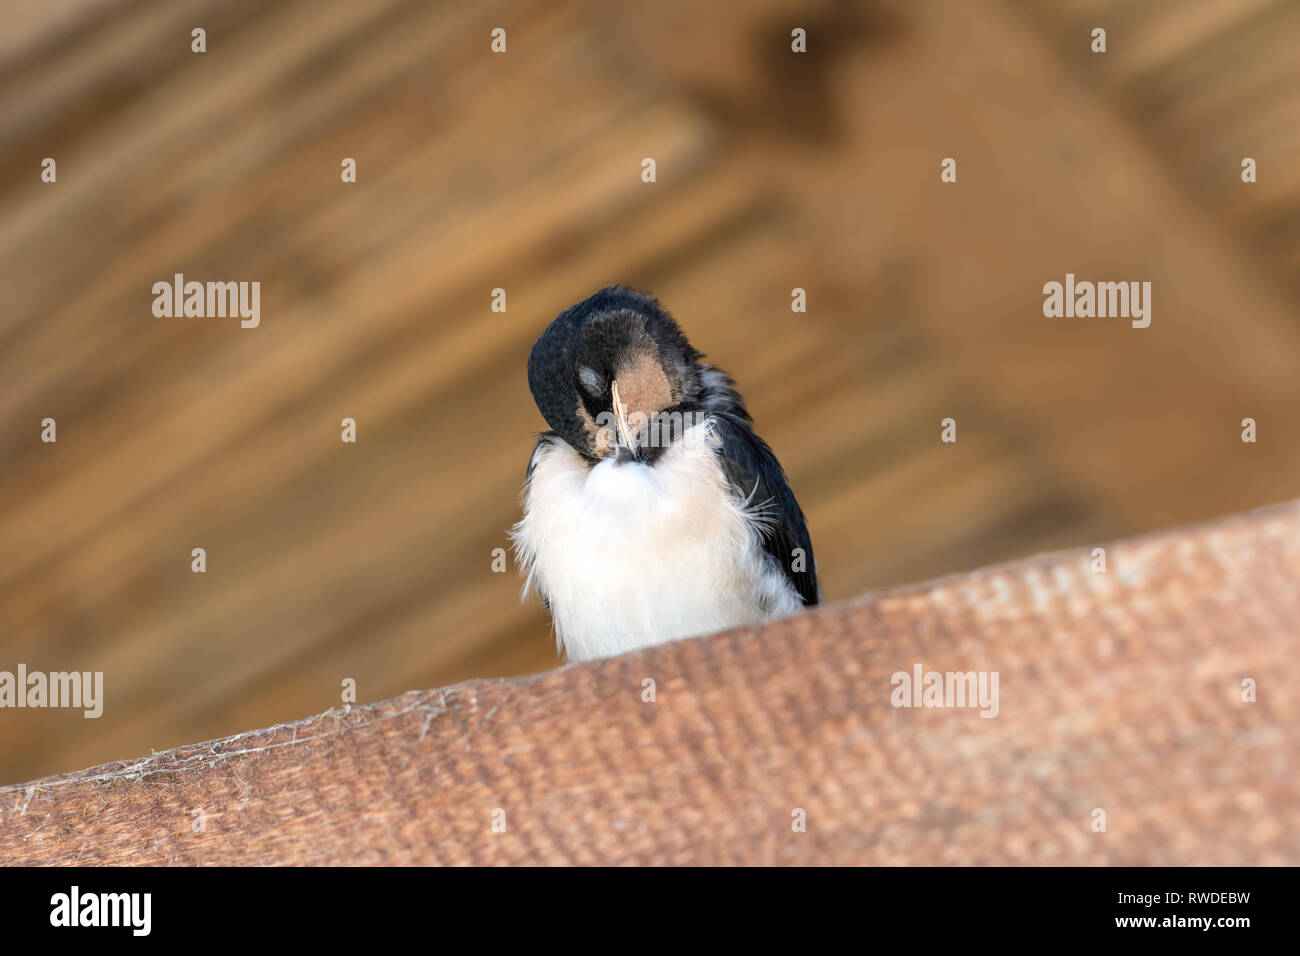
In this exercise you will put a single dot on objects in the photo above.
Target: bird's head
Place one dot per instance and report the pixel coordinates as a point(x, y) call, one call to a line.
point(607, 373)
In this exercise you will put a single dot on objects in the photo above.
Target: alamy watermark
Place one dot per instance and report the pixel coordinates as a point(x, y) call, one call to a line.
point(1085, 300)
point(210, 300)
point(130, 910)
point(923, 688)
point(78, 689)
point(654, 431)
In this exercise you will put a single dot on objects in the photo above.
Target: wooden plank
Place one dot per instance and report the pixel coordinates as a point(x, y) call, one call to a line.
point(1119, 691)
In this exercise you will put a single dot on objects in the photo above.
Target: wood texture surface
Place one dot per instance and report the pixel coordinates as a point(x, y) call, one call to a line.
point(1119, 690)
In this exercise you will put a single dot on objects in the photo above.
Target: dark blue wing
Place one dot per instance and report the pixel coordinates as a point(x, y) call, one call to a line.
point(756, 476)
point(545, 438)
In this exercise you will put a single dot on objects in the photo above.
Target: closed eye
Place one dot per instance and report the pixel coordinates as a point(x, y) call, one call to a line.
point(591, 381)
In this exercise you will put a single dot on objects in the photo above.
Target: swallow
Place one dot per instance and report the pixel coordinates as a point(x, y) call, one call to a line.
point(652, 511)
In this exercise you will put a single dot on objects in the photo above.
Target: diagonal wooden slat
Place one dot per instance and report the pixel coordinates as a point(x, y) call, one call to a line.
point(1119, 692)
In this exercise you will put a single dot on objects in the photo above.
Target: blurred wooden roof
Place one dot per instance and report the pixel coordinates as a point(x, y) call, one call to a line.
point(522, 171)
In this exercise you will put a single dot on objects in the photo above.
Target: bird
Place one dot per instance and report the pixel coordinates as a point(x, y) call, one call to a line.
point(652, 510)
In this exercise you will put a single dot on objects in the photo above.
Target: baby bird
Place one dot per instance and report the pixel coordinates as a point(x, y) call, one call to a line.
point(651, 509)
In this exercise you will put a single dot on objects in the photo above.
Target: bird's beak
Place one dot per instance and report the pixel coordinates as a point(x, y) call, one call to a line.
point(620, 417)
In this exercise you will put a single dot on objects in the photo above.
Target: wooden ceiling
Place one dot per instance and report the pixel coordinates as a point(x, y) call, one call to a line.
point(521, 171)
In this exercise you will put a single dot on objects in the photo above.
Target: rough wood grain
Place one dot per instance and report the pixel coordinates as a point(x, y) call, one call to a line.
point(1119, 691)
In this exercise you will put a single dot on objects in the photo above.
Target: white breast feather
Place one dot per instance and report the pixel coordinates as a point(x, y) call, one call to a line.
point(630, 555)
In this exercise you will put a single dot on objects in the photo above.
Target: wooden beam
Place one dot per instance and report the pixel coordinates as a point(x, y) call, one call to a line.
point(1118, 691)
